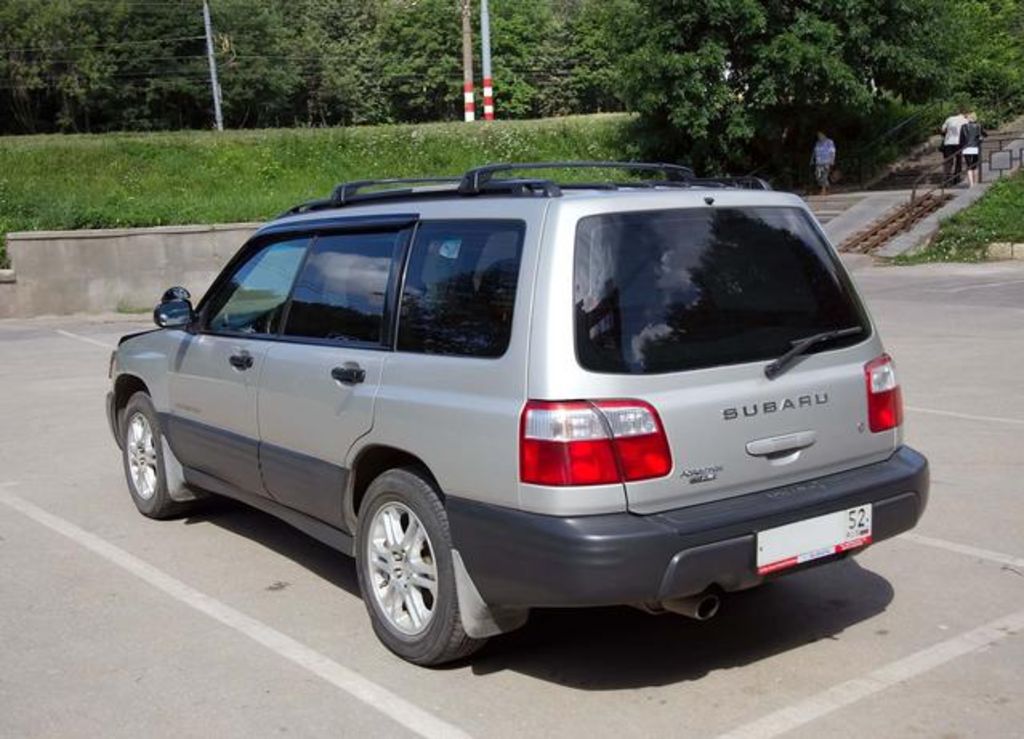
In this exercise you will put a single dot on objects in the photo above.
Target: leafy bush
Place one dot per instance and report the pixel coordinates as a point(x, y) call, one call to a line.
point(997, 216)
point(117, 180)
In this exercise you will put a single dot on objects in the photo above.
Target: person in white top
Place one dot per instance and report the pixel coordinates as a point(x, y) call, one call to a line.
point(952, 165)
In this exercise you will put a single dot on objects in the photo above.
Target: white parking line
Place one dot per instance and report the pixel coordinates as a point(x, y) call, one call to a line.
point(981, 285)
point(86, 339)
point(847, 693)
point(966, 416)
point(952, 546)
point(381, 699)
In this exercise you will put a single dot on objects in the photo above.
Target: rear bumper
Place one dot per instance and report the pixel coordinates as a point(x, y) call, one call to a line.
point(526, 559)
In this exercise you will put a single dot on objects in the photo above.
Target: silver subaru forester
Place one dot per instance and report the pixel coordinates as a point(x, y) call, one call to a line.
point(501, 393)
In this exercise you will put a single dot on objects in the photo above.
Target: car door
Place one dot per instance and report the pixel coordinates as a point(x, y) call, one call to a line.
point(320, 380)
point(213, 377)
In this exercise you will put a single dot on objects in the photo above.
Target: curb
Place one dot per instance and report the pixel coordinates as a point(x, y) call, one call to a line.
point(999, 250)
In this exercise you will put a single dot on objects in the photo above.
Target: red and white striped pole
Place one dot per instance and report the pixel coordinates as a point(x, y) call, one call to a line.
point(467, 63)
point(485, 48)
point(488, 100)
point(467, 101)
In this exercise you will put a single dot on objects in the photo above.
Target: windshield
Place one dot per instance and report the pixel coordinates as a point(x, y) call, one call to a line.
point(673, 290)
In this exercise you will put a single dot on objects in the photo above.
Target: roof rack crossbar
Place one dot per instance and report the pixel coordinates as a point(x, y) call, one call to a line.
point(745, 182)
point(474, 180)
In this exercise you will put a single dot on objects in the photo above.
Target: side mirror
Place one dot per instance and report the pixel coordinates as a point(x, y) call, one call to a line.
point(175, 309)
point(176, 293)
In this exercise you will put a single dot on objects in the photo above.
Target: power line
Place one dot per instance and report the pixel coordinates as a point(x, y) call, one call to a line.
point(105, 46)
point(106, 4)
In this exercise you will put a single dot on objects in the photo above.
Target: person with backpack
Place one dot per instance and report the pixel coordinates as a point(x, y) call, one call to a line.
point(971, 135)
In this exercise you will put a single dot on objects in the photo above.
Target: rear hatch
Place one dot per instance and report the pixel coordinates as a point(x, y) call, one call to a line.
point(687, 307)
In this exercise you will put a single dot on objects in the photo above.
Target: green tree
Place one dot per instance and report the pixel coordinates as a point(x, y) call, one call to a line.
point(731, 82)
point(590, 39)
point(53, 61)
point(420, 43)
point(336, 43)
point(984, 43)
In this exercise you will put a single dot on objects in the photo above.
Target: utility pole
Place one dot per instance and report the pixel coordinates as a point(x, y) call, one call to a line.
point(214, 84)
point(485, 50)
point(467, 62)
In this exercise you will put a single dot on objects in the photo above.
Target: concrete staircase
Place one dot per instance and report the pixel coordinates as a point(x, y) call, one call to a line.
point(886, 220)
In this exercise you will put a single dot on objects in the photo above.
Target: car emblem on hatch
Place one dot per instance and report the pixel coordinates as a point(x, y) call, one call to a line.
point(702, 474)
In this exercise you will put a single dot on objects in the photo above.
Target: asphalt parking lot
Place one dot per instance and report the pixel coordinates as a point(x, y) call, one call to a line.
point(229, 623)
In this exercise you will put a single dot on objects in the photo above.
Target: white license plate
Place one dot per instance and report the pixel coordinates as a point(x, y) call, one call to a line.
point(822, 536)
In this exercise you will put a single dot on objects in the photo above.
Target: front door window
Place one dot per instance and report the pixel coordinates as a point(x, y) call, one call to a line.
point(252, 302)
point(342, 292)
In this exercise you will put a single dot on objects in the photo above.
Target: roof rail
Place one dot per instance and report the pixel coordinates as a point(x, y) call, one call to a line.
point(343, 193)
point(474, 181)
point(481, 181)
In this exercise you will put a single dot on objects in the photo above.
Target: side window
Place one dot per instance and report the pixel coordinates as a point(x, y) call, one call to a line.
point(460, 288)
point(252, 302)
point(342, 289)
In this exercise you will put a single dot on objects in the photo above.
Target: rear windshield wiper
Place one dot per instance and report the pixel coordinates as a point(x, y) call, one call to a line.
point(801, 346)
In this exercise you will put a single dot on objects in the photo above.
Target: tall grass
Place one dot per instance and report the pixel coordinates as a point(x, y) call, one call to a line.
point(117, 180)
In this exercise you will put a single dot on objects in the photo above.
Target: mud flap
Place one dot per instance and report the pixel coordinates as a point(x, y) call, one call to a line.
point(176, 486)
point(479, 619)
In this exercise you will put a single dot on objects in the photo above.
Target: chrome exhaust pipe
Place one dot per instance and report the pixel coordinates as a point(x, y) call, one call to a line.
point(701, 607)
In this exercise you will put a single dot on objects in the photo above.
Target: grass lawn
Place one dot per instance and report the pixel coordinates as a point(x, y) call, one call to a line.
point(117, 180)
point(997, 216)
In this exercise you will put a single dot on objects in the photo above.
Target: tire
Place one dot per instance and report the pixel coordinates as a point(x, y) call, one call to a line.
point(143, 458)
point(394, 564)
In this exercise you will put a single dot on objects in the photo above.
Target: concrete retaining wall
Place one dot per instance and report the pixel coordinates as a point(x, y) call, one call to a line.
point(61, 272)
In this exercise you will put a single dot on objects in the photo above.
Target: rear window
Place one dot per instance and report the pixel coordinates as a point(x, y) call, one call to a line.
point(673, 290)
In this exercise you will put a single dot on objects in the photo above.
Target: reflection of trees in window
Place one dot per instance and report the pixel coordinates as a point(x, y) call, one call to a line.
point(599, 329)
point(683, 289)
point(759, 287)
point(340, 292)
point(339, 322)
point(462, 313)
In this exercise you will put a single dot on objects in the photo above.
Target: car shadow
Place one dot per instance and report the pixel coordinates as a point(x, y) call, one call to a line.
point(620, 648)
point(255, 525)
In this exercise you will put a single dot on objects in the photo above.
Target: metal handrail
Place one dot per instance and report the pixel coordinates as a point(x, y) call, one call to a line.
point(986, 151)
point(929, 172)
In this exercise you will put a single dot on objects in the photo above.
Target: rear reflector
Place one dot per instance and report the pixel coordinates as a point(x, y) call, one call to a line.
point(591, 443)
point(885, 402)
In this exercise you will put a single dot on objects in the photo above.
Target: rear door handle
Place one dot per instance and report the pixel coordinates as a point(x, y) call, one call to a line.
point(350, 374)
point(241, 361)
point(779, 444)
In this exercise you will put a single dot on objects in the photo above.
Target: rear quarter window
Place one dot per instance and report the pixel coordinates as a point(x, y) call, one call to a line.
point(674, 290)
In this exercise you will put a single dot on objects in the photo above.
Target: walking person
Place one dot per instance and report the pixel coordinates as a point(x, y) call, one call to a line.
point(971, 134)
point(952, 166)
point(823, 159)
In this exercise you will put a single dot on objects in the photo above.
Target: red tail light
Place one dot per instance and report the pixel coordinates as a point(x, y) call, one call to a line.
point(885, 403)
point(591, 443)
